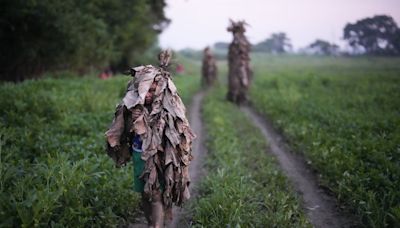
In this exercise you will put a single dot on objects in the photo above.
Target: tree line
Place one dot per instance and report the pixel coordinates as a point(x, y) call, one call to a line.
point(45, 35)
point(378, 35)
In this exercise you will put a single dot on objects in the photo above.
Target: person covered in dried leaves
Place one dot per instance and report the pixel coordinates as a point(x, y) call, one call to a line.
point(150, 123)
point(239, 72)
point(208, 69)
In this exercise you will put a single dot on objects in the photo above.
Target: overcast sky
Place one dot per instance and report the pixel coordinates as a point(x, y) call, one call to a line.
point(198, 23)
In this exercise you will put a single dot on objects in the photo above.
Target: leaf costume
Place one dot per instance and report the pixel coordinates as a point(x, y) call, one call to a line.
point(240, 74)
point(163, 128)
point(209, 68)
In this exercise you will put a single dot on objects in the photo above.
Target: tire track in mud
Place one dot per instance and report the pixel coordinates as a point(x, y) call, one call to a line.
point(320, 208)
point(196, 168)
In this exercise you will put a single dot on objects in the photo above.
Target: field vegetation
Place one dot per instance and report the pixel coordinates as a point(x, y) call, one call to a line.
point(54, 170)
point(343, 115)
point(243, 187)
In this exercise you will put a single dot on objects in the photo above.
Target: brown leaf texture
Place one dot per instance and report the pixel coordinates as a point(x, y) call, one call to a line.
point(239, 73)
point(165, 131)
point(117, 147)
point(209, 68)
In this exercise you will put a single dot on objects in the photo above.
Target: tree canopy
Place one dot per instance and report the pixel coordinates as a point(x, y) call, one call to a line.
point(221, 45)
point(377, 35)
point(36, 36)
point(277, 43)
point(322, 47)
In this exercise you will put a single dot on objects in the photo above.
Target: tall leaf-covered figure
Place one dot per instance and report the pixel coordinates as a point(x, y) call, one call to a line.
point(150, 124)
point(240, 74)
point(209, 68)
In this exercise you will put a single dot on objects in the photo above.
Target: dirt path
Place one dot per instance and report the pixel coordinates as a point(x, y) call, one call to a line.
point(320, 207)
point(196, 166)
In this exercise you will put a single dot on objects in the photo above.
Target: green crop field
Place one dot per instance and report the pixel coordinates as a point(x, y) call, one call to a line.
point(243, 187)
point(343, 114)
point(53, 167)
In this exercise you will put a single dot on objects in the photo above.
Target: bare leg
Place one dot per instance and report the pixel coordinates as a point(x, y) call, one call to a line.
point(157, 210)
point(146, 206)
point(168, 213)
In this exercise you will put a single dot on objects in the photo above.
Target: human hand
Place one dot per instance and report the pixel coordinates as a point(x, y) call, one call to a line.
point(136, 112)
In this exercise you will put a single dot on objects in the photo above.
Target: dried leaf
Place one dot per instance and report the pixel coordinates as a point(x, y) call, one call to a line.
point(240, 74)
point(209, 68)
point(165, 132)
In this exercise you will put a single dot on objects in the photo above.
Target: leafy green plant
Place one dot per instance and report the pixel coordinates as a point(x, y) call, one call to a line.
point(243, 186)
point(53, 167)
point(342, 113)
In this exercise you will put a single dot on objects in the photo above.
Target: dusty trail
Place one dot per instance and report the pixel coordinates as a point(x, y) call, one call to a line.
point(320, 207)
point(199, 151)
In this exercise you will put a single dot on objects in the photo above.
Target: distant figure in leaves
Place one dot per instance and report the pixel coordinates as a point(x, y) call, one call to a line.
point(151, 126)
point(209, 68)
point(239, 72)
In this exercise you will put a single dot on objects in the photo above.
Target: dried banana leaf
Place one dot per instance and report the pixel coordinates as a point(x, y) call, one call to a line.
point(239, 73)
point(164, 129)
